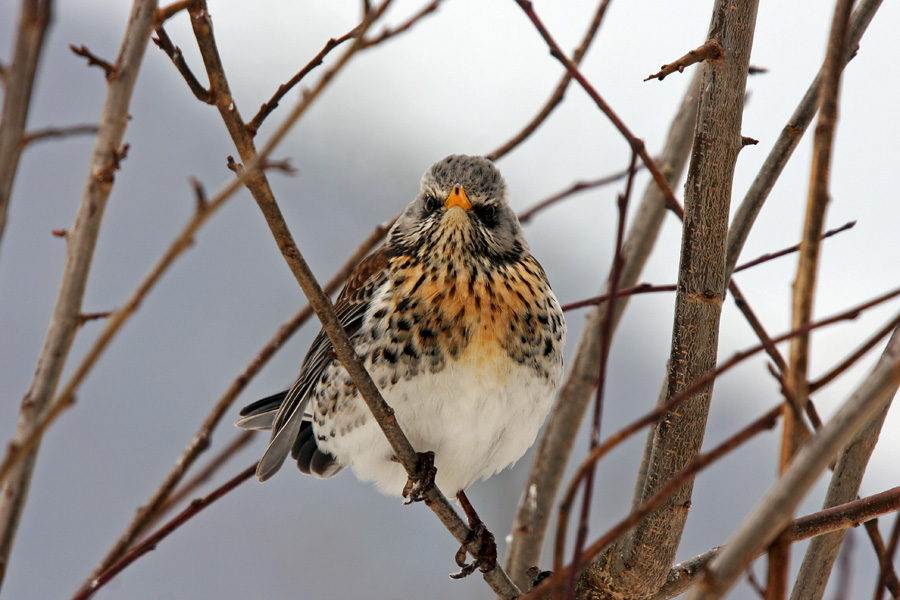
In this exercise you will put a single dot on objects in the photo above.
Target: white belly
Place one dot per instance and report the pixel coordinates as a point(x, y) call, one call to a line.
point(477, 419)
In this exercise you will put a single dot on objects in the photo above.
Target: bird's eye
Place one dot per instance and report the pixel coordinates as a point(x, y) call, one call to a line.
point(488, 214)
point(431, 203)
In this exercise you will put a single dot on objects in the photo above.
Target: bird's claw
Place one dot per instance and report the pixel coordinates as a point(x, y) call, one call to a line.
point(487, 556)
point(417, 485)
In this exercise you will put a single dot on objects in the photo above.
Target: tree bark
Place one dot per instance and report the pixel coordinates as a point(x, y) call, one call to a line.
point(638, 566)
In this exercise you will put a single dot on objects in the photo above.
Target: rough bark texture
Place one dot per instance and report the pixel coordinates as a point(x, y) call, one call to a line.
point(638, 566)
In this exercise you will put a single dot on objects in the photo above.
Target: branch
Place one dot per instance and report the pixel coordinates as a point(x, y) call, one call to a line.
point(773, 513)
point(81, 240)
point(58, 132)
point(18, 80)
point(711, 50)
point(151, 542)
point(262, 193)
point(387, 33)
point(838, 518)
point(557, 96)
point(578, 186)
point(93, 60)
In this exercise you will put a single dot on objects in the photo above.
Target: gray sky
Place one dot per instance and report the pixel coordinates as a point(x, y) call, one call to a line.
point(463, 81)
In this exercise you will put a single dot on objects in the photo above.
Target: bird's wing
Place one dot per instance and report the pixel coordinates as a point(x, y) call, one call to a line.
point(351, 307)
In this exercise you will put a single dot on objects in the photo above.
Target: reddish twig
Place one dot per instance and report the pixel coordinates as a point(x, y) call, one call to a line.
point(792, 249)
point(174, 53)
point(854, 356)
point(578, 186)
point(605, 341)
point(93, 60)
point(388, 33)
point(557, 96)
point(642, 288)
point(254, 124)
point(58, 132)
point(162, 533)
point(711, 50)
point(636, 143)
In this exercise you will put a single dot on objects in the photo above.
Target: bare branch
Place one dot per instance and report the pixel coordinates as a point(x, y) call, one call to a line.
point(774, 511)
point(18, 79)
point(93, 60)
point(58, 132)
point(174, 53)
point(711, 50)
point(151, 542)
point(557, 96)
point(81, 240)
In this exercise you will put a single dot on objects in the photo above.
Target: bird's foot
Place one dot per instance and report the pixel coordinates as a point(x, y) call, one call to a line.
point(422, 481)
point(536, 576)
point(487, 554)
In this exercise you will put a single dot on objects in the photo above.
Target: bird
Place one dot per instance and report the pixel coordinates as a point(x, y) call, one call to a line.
point(457, 325)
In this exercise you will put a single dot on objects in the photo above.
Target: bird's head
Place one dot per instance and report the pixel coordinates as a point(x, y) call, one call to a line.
point(461, 212)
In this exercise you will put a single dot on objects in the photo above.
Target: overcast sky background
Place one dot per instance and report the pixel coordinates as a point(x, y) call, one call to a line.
point(463, 81)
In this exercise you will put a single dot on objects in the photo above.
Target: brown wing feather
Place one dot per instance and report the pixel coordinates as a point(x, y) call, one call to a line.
point(350, 307)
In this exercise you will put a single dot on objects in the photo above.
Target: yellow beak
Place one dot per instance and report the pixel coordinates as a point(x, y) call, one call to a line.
point(458, 198)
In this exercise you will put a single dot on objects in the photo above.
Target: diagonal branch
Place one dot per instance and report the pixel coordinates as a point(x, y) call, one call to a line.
point(773, 513)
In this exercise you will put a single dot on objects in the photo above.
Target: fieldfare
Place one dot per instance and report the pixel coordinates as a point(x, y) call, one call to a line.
point(457, 325)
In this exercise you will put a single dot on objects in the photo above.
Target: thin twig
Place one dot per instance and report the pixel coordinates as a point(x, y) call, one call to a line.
point(93, 60)
point(578, 186)
point(854, 356)
point(174, 53)
point(605, 342)
point(151, 542)
point(636, 143)
point(711, 50)
point(792, 249)
point(58, 132)
point(389, 32)
point(557, 96)
point(167, 12)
